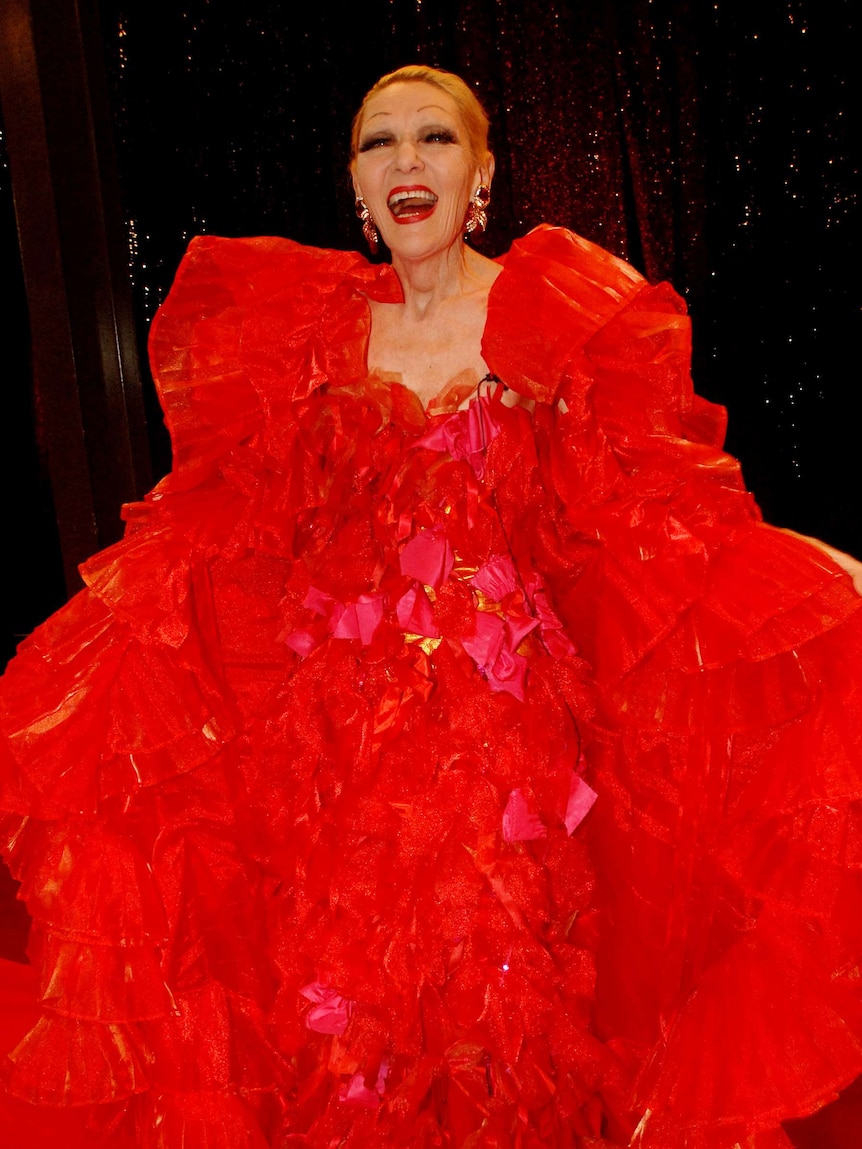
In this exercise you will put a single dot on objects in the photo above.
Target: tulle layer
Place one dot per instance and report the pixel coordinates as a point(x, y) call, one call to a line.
point(483, 779)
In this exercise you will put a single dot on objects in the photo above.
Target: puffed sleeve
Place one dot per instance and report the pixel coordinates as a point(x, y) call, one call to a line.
point(242, 330)
point(727, 749)
point(640, 501)
point(118, 776)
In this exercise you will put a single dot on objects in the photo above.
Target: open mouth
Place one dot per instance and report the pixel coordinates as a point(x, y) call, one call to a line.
point(408, 205)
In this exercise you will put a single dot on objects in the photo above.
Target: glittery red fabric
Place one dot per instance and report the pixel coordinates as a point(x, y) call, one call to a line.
point(483, 778)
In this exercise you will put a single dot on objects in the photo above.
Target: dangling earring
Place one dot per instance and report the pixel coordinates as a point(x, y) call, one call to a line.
point(477, 210)
point(369, 228)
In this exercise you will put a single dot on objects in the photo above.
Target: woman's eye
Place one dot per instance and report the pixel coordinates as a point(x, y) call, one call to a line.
point(374, 142)
point(432, 136)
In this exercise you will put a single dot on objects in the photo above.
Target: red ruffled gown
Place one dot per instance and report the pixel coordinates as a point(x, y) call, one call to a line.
point(466, 778)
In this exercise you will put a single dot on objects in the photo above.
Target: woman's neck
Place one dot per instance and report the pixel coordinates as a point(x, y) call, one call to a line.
point(427, 282)
point(435, 335)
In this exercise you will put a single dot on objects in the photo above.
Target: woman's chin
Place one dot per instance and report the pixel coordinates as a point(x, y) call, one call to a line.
point(420, 239)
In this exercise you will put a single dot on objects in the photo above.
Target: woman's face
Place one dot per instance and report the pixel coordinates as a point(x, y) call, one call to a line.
point(415, 168)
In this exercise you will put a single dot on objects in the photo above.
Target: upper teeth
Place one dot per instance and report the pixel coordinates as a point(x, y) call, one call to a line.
point(399, 197)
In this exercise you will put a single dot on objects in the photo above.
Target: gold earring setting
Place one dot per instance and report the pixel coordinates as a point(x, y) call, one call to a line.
point(369, 228)
point(477, 211)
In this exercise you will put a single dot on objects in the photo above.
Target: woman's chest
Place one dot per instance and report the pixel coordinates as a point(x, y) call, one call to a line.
point(428, 354)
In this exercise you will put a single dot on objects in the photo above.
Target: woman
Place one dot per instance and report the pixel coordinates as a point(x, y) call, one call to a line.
point(447, 755)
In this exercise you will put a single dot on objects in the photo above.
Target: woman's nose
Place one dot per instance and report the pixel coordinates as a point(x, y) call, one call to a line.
point(407, 158)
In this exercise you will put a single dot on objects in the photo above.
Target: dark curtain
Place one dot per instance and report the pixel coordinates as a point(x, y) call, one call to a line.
point(33, 572)
point(711, 144)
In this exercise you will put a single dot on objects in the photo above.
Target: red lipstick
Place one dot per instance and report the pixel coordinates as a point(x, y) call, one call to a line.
point(411, 203)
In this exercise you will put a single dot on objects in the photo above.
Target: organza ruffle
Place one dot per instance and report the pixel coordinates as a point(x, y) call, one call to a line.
point(489, 775)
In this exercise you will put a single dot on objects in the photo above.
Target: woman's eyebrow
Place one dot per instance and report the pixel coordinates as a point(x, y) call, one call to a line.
point(424, 108)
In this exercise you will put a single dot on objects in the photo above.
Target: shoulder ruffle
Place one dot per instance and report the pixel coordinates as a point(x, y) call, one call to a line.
point(249, 323)
point(653, 518)
point(556, 290)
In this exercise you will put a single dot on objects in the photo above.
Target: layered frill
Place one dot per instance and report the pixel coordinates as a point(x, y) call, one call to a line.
point(727, 739)
point(488, 778)
point(122, 791)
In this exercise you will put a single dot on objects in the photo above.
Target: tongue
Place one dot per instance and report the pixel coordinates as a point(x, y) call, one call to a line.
point(412, 206)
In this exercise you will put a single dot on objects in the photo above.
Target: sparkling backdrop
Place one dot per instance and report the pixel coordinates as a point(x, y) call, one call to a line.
point(707, 143)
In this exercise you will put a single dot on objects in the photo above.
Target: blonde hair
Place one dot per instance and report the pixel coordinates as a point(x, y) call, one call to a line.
point(472, 113)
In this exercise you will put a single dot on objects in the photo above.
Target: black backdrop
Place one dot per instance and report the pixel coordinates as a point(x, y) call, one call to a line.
point(710, 143)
